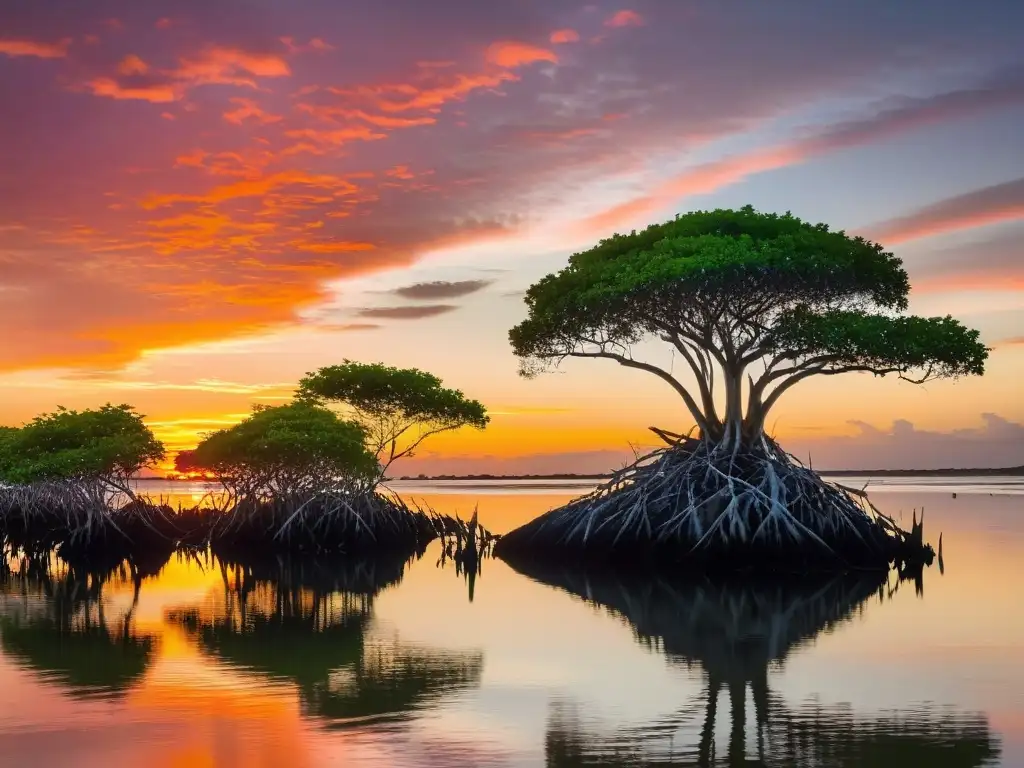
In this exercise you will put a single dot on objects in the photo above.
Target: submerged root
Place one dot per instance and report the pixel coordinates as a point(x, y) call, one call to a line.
point(710, 507)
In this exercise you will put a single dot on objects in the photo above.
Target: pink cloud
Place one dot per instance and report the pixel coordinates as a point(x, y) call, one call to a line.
point(1001, 203)
point(990, 205)
point(560, 36)
point(625, 18)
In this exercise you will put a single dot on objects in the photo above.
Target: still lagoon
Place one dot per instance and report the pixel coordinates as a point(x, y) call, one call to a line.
point(418, 664)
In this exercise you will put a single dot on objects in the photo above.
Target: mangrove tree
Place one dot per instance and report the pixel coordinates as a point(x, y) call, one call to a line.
point(750, 305)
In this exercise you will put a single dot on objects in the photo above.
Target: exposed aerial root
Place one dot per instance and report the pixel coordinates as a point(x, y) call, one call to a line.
point(708, 506)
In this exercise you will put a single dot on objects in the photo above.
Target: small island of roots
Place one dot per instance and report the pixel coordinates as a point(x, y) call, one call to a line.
point(748, 305)
point(299, 479)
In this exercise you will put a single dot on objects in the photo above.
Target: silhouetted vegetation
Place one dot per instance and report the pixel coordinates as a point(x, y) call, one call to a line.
point(294, 478)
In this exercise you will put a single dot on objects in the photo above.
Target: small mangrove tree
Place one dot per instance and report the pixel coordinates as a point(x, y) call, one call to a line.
point(299, 477)
point(750, 305)
point(65, 478)
point(398, 408)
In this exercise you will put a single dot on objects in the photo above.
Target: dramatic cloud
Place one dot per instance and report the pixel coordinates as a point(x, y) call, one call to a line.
point(407, 313)
point(136, 79)
point(186, 178)
point(441, 289)
point(1005, 89)
point(991, 205)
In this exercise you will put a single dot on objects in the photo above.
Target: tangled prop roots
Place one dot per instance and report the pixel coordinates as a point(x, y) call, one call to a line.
point(83, 521)
point(710, 508)
point(325, 523)
point(85, 524)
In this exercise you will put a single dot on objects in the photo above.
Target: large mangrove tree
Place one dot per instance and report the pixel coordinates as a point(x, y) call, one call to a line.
point(750, 304)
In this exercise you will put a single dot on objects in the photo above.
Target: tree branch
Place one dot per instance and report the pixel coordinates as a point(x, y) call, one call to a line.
point(691, 404)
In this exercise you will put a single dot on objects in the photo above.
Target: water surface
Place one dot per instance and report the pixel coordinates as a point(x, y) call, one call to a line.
point(392, 664)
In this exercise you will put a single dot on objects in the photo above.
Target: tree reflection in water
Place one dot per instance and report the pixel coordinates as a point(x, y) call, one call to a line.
point(735, 631)
point(55, 620)
point(310, 624)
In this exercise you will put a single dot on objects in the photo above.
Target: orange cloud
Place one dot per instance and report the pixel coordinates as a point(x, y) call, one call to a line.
point(404, 97)
point(205, 230)
point(110, 88)
point(561, 36)
point(214, 66)
point(335, 246)
point(256, 188)
point(625, 18)
point(246, 109)
point(315, 141)
point(335, 114)
point(247, 163)
point(511, 54)
point(132, 65)
point(215, 61)
point(230, 66)
point(16, 48)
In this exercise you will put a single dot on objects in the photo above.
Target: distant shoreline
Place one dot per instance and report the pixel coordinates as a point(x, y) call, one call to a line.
point(976, 472)
point(973, 472)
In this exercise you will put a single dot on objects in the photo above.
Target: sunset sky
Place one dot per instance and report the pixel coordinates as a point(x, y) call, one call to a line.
point(202, 201)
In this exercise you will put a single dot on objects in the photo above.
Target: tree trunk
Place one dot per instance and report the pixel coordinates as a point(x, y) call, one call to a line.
point(733, 436)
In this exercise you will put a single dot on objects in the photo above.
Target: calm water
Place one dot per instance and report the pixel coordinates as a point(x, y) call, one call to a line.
point(394, 665)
